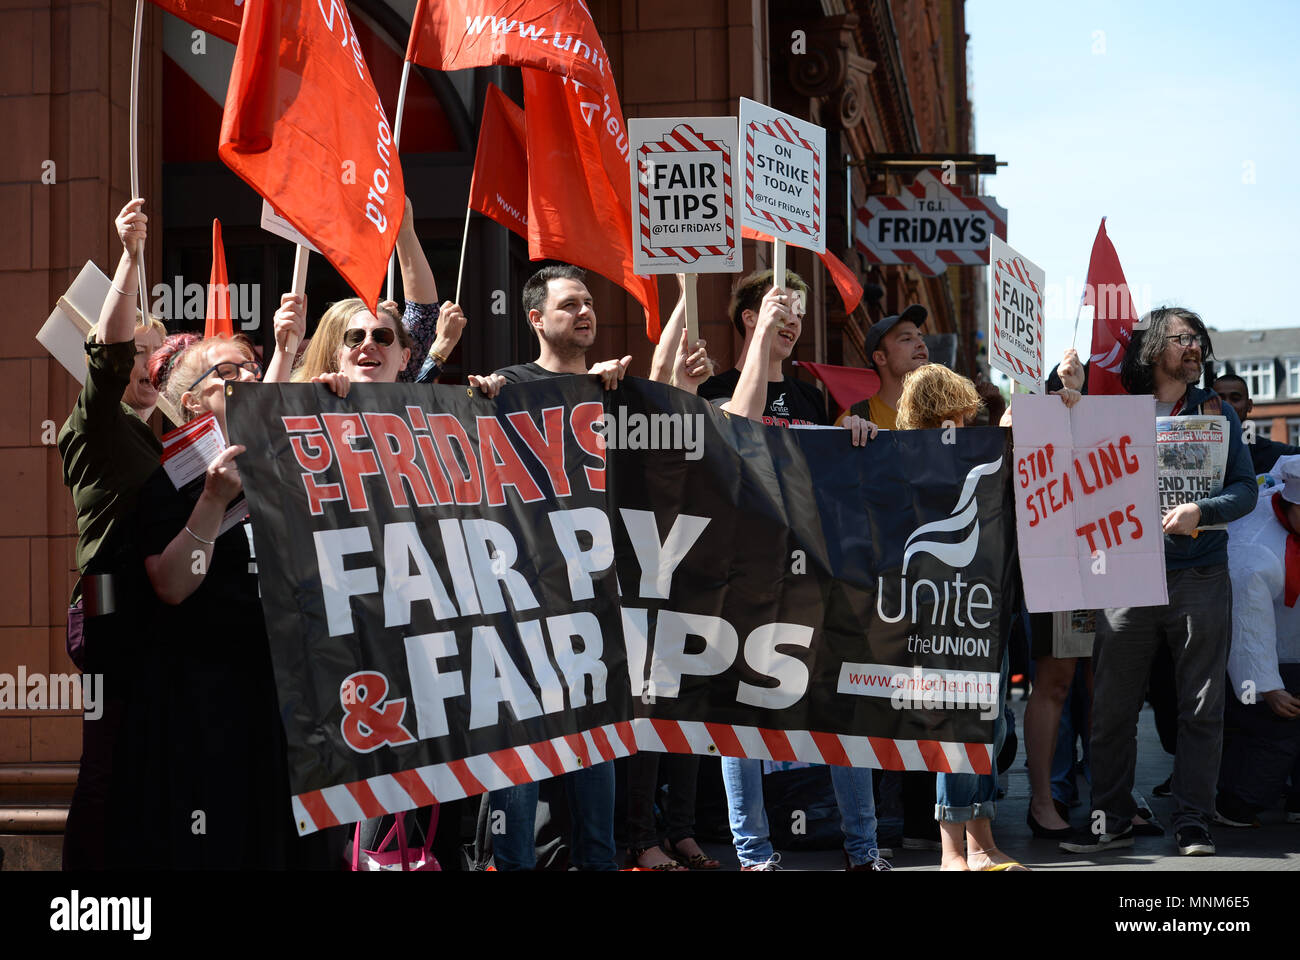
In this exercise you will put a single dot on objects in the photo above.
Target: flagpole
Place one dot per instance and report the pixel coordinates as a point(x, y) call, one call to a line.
point(135, 148)
point(397, 139)
point(1074, 338)
point(464, 240)
point(778, 262)
point(299, 286)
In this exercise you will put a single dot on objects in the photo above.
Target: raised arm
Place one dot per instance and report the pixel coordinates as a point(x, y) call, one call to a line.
point(117, 318)
point(290, 322)
point(417, 277)
point(750, 397)
point(661, 366)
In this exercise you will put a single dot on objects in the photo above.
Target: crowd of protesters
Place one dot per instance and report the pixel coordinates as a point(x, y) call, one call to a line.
point(175, 774)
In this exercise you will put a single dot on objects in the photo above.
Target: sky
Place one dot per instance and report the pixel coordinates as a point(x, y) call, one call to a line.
point(1179, 122)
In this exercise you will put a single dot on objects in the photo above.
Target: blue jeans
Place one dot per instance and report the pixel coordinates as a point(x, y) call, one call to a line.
point(591, 806)
point(744, 782)
point(970, 796)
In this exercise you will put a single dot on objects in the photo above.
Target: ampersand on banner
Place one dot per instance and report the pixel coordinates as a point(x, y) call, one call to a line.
point(369, 723)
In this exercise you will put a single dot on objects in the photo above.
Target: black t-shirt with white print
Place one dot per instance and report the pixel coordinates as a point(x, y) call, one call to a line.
point(789, 401)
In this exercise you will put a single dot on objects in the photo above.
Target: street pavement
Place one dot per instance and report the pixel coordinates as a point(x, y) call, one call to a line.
point(1273, 846)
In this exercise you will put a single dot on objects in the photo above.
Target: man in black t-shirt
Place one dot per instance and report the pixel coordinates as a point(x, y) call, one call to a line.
point(560, 311)
point(771, 320)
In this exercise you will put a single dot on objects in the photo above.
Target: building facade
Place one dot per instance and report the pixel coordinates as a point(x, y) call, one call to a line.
point(1269, 362)
point(881, 76)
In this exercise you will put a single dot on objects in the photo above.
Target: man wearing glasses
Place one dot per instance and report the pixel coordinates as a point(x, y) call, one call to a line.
point(1165, 359)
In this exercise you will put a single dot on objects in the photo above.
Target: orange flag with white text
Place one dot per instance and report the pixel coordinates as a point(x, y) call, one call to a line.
point(553, 35)
point(218, 323)
point(579, 195)
point(217, 17)
point(499, 188)
point(305, 128)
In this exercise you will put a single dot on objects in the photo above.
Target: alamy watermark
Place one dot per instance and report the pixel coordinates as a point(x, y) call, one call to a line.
point(83, 693)
point(621, 430)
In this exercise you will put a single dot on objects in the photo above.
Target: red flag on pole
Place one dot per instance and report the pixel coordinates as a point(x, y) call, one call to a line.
point(557, 36)
point(846, 282)
point(848, 385)
point(499, 188)
point(305, 128)
point(217, 17)
point(1112, 324)
point(218, 323)
point(579, 195)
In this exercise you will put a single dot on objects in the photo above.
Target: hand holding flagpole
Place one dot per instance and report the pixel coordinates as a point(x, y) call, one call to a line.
point(299, 287)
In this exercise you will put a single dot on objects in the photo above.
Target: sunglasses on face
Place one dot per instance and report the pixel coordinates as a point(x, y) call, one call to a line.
point(229, 370)
point(356, 336)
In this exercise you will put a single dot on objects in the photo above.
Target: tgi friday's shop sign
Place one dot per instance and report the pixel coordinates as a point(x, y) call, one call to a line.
point(930, 225)
point(685, 207)
point(1016, 316)
point(785, 176)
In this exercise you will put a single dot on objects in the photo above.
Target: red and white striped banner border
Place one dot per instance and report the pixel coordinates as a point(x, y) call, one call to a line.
point(811, 746)
point(782, 130)
point(444, 782)
point(685, 140)
point(1020, 274)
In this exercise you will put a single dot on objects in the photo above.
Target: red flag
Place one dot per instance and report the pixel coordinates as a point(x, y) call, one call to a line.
point(218, 17)
point(304, 126)
point(499, 188)
point(218, 324)
point(848, 385)
point(557, 36)
point(846, 282)
point(1112, 324)
point(579, 195)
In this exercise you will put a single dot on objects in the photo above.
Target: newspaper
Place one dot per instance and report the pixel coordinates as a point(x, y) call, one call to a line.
point(187, 452)
point(1073, 633)
point(1191, 458)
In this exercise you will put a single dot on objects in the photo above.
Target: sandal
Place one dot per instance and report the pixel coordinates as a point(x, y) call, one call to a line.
point(668, 866)
point(696, 861)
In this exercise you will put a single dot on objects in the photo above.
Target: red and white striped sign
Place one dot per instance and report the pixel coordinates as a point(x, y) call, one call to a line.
point(1016, 316)
point(785, 175)
point(444, 782)
point(685, 199)
point(930, 226)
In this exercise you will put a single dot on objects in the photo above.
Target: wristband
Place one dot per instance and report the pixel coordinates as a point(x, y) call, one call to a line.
point(120, 290)
point(197, 537)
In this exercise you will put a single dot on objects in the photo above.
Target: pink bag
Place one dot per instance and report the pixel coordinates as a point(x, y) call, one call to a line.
point(403, 858)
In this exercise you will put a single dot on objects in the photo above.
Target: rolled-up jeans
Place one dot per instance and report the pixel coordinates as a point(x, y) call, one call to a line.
point(970, 796)
point(749, 831)
point(591, 804)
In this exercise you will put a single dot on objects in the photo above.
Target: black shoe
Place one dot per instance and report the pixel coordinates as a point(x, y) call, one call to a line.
point(1164, 789)
point(1044, 833)
point(1085, 841)
point(1195, 842)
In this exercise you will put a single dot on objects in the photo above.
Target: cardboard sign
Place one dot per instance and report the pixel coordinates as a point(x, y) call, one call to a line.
point(685, 198)
point(1086, 518)
point(1016, 316)
point(929, 226)
point(785, 175)
point(272, 222)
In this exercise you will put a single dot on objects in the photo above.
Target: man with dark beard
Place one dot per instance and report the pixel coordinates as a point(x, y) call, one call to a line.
point(1165, 359)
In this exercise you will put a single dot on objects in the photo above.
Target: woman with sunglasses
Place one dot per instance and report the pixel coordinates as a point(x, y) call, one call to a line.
point(205, 745)
point(424, 329)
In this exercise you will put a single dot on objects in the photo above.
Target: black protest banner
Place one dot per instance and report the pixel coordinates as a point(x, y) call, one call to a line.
point(801, 599)
point(441, 579)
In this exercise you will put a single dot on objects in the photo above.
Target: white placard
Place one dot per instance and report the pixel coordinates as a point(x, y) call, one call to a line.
point(684, 203)
point(65, 330)
point(1015, 315)
point(272, 222)
point(785, 176)
point(1087, 521)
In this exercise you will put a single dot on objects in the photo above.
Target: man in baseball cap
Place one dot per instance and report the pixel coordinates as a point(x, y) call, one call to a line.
point(894, 347)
